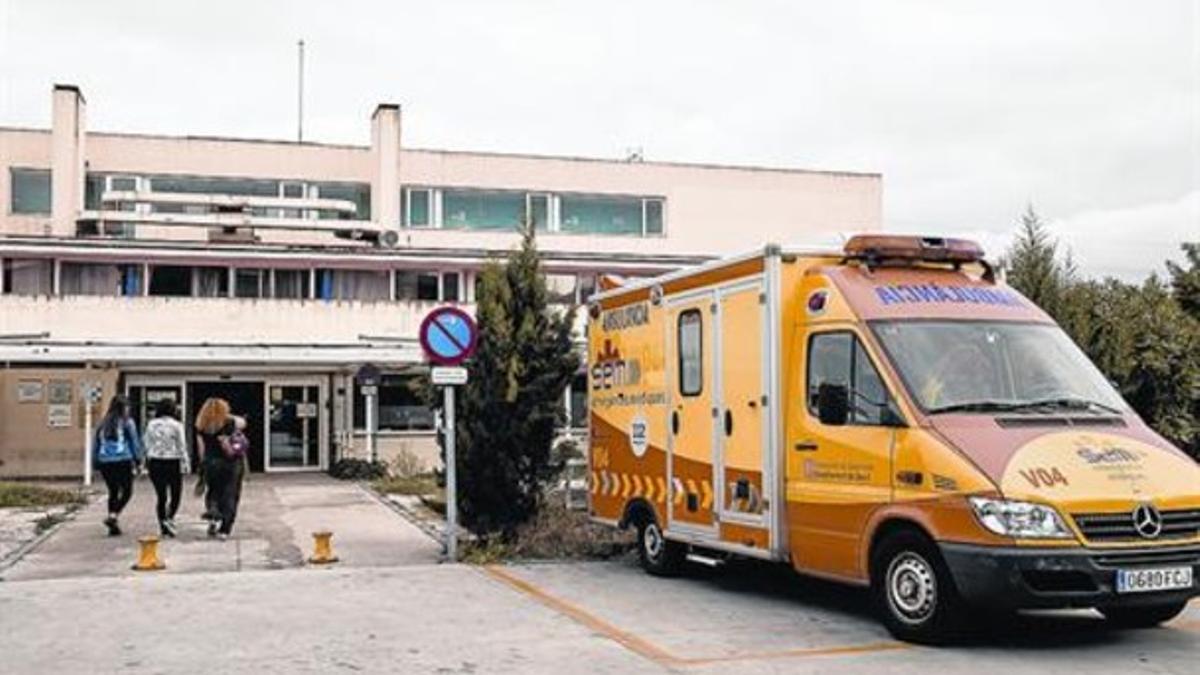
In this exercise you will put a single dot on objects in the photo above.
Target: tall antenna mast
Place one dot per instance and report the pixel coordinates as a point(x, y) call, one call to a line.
point(300, 97)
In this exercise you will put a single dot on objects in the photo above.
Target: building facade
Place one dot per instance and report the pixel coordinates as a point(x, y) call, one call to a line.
point(268, 272)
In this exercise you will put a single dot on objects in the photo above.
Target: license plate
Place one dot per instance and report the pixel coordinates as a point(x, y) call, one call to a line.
point(1158, 579)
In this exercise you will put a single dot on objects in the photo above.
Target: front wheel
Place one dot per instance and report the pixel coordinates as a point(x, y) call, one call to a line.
point(1147, 616)
point(659, 556)
point(913, 590)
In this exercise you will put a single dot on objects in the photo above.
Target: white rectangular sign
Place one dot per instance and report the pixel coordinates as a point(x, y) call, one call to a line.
point(58, 415)
point(448, 376)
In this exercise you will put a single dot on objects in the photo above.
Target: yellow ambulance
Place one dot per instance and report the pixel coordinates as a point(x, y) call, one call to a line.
point(888, 415)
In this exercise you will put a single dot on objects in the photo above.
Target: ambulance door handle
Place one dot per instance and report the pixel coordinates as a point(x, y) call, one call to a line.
point(728, 422)
point(675, 422)
point(805, 446)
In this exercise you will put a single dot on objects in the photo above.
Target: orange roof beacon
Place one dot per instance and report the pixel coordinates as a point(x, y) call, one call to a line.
point(887, 415)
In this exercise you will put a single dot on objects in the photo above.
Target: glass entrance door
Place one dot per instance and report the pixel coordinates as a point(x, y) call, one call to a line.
point(294, 439)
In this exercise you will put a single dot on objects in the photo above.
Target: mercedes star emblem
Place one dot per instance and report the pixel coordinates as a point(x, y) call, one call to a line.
point(1147, 521)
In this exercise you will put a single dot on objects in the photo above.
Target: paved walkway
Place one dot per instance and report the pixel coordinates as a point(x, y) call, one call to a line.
point(273, 531)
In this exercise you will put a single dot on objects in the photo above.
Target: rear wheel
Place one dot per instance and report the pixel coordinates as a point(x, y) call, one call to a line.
point(659, 556)
point(1147, 616)
point(914, 591)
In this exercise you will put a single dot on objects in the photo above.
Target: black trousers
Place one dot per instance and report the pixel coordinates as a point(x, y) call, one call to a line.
point(167, 476)
point(220, 475)
point(118, 476)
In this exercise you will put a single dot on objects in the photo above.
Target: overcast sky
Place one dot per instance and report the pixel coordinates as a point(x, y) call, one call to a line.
point(970, 110)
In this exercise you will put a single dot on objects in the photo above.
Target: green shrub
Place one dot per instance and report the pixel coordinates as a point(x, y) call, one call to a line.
point(27, 495)
point(351, 468)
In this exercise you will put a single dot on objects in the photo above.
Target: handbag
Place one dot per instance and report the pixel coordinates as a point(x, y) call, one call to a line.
point(239, 444)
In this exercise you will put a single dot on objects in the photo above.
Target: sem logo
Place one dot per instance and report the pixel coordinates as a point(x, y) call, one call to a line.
point(1111, 455)
point(613, 371)
point(1044, 478)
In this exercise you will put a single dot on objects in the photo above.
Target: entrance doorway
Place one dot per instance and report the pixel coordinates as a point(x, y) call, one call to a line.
point(294, 431)
point(245, 400)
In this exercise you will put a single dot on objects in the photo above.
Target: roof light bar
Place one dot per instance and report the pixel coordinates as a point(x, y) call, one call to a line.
point(875, 248)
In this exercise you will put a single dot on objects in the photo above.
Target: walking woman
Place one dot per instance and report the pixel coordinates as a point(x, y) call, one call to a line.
point(117, 453)
point(214, 427)
point(167, 461)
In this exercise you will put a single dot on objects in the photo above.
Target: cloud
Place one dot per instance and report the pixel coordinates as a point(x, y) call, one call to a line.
point(1117, 242)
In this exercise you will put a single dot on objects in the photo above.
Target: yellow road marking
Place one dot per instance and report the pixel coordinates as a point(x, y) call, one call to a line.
point(653, 652)
point(630, 641)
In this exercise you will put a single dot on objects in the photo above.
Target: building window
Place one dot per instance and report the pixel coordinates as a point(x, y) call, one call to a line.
point(412, 285)
point(654, 217)
point(539, 211)
point(28, 277)
point(691, 353)
point(249, 283)
point(93, 188)
point(131, 280)
point(399, 404)
point(89, 279)
point(364, 285)
point(359, 193)
point(170, 281)
point(587, 214)
point(211, 282)
point(451, 287)
point(482, 210)
point(289, 284)
point(211, 185)
point(577, 408)
point(418, 207)
point(30, 190)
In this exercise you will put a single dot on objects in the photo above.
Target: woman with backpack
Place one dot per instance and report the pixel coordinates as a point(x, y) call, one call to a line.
point(117, 453)
point(167, 461)
point(214, 429)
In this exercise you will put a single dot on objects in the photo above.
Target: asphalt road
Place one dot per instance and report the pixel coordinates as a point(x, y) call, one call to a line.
point(566, 617)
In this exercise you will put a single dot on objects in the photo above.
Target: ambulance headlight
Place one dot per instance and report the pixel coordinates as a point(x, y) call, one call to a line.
point(1021, 520)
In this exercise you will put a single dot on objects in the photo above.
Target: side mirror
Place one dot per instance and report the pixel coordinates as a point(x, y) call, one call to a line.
point(833, 404)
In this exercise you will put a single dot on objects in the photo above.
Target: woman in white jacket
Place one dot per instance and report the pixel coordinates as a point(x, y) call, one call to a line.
point(167, 462)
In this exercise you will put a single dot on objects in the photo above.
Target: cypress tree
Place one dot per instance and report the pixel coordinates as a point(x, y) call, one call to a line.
point(511, 408)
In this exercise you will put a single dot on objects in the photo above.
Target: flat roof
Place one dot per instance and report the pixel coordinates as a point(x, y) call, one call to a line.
point(709, 166)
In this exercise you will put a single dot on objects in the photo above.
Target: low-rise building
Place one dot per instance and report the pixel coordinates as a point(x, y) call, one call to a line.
point(268, 272)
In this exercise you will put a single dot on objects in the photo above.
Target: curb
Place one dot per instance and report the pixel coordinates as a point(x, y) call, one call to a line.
point(25, 549)
point(430, 530)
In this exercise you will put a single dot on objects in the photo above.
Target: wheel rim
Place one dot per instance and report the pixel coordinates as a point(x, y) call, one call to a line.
point(911, 588)
point(652, 541)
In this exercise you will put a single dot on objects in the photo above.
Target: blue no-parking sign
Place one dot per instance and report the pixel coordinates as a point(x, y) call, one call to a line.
point(448, 336)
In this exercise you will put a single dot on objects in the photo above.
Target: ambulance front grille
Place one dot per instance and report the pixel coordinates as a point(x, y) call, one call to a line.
point(1177, 524)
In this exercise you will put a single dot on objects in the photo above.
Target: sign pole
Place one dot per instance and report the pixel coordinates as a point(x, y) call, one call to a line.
point(87, 441)
point(451, 477)
point(371, 426)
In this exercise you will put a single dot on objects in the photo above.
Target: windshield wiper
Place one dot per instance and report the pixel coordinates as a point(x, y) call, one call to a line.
point(1071, 402)
point(978, 406)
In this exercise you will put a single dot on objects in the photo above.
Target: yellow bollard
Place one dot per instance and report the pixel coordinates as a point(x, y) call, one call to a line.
point(148, 555)
point(322, 549)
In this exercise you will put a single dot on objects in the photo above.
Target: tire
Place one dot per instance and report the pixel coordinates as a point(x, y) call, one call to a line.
point(913, 590)
point(1145, 616)
point(658, 555)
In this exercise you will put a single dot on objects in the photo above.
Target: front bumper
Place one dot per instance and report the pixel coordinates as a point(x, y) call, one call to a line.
point(1048, 578)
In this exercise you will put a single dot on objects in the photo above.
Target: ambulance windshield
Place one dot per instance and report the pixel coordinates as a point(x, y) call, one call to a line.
point(995, 366)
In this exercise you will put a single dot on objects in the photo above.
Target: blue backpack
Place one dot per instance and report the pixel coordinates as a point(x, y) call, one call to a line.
point(114, 449)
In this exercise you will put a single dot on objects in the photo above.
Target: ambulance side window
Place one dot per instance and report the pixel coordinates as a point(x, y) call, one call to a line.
point(691, 353)
point(839, 358)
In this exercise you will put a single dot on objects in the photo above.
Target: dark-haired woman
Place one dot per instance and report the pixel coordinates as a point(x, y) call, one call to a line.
point(167, 462)
point(117, 453)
